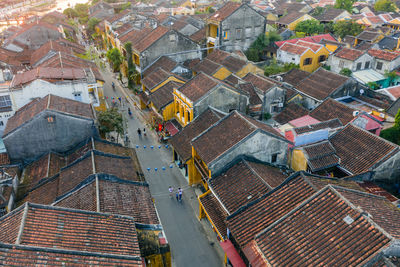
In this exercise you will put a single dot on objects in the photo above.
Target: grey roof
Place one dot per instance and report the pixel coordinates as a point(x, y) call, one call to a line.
point(388, 42)
point(394, 108)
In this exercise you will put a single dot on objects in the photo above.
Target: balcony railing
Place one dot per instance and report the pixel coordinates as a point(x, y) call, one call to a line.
point(203, 172)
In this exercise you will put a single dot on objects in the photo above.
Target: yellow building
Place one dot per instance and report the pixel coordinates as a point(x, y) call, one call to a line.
point(162, 100)
point(309, 56)
point(211, 68)
point(291, 20)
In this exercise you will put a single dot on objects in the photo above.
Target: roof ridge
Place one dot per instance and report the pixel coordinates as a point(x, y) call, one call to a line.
point(256, 173)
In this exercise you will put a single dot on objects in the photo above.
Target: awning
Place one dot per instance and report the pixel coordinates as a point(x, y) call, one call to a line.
point(232, 254)
point(171, 128)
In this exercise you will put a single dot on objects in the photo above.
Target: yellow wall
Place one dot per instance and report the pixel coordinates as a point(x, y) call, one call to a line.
point(136, 59)
point(315, 56)
point(299, 162)
point(171, 78)
point(331, 47)
point(203, 213)
point(222, 73)
point(293, 25)
point(249, 68)
point(272, 17)
point(182, 107)
point(212, 30)
point(168, 112)
point(194, 174)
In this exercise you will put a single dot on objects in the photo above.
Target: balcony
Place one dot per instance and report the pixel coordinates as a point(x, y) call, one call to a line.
point(211, 40)
point(203, 172)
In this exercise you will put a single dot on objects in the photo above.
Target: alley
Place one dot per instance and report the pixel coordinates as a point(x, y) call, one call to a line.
point(190, 244)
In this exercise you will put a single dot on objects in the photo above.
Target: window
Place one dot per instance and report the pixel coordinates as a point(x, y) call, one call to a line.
point(366, 65)
point(274, 158)
point(78, 96)
point(238, 33)
point(379, 65)
point(248, 32)
point(51, 119)
point(1, 123)
point(225, 35)
point(172, 37)
point(321, 58)
point(341, 64)
point(358, 67)
point(307, 61)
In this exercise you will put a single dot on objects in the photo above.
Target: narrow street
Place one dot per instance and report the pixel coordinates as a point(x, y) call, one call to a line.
point(192, 242)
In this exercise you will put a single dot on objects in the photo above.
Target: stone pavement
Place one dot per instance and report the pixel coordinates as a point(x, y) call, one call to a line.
point(193, 243)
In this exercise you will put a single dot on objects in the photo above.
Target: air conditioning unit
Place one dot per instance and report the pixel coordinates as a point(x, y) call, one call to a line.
point(280, 105)
point(355, 113)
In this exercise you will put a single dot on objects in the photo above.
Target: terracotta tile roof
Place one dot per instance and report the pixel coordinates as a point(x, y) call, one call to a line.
point(207, 66)
point(331, 109)
point(376, 100)
point(199, 36)
point(70, 106)
point(73, 175)
point(125, 28)
point(290, 17)
point(374, 189)
point(383, 54)
point(234, 64)
point(225, 11)
point(150, 38)
point(135, 36)
point(260, 82)
point(321, 83)
point(163, 62)
point(330, 124)
point(4, 159)
point(313, 39)
point(330, 14)
point(46, 73)
point(321, 156)
point(156, 77)
point(10, 226)
point(313, 46)
point(242, 183)
point(250, 220)
point(294, 76)
point(218, 55)
point(118, 16)
point(293, 48)
point(198, 86)
point(354, 239)
point(233, 128)
point(76, 230)
point(116, 196)
point(368, 36)
point(190, 63)
point(290, 112)
point(181, 141)
point(349, 53)
point(249, 88)
point(164, 95)
point(359, 150)
point(215, 211)
point(26, 256)
point(232, 80)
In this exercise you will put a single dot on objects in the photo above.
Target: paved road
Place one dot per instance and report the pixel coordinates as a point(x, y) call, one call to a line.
point(191, 243)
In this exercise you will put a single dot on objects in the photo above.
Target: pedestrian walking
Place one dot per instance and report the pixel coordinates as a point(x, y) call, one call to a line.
point(180, 194)
point(120, 99)
point(144, 131)
point(177, 196)
point(171, 191)
point(126, 138)
point(139, 132)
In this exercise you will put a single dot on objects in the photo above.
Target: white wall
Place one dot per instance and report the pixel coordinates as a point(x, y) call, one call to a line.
point(286, 57)
point(41, 88)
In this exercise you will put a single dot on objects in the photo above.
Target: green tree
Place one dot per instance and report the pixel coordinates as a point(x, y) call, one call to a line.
point(345, 72)
point(318, 11)
point(92, 23)
point(256, 50)
point(132, 72)
point(373, 85)
point(391, 76)
point(344, 4)
point(393, 134)
point(385, 5)
point(110, 121)
point(70, 13)
point(346, 27)
point(82, 9)
point(309, 27)
point(115, 57)
point(397, 119)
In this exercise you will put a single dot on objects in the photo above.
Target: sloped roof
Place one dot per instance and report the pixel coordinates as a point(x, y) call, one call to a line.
point(116, 196)
point(329, 124)
point(244, 182)
point(227, 133)
point(355, 239)
point(164, 62)
point(312, 39)
point(330, 14)
point(156, 77)
point(290, 17)
point(150, 38)
point(181, 141)
point(233, 63)
point(331, 109)
point(195, 88)
point(258, 81)
point(73, 230)
point(349, 53)
point(290, 112)
point(218, 55)
point(50, 102)
point(321, 83)
point(383, 54)
point(164, 95)
point(225, 11)
point(199, 36)
point(215, 211)
point(294, 76)
point(293, 48)
point(254, 98)
point(359, 150)
point(207, 66)
point(368, 36)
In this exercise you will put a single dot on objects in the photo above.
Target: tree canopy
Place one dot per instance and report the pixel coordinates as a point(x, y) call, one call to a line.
point(110, 121)
point(385, 5)
point(345, 72)
point(310, 27)
point(115, 57)
point(344, 4)
point(256, 50)
point(92, 23)
point(70, 13)
point(346, 27)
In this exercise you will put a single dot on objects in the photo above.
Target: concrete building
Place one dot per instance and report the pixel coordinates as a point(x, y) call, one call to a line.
point(234, 26)
point(351, 59)
point(47, 124)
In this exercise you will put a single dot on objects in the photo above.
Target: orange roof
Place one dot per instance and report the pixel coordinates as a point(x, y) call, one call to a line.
point(382, 54)
point(293, 48)
point(149, 39)
point(313, 46)
point(224, 11)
